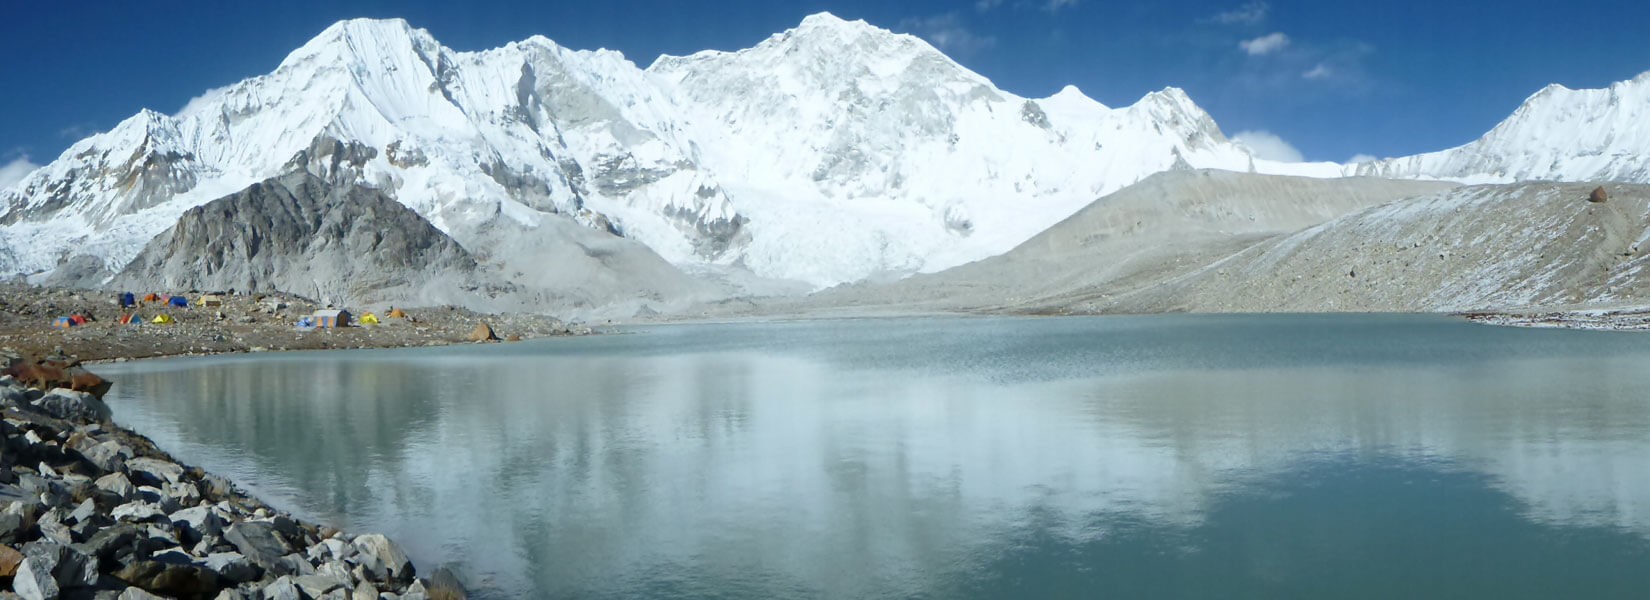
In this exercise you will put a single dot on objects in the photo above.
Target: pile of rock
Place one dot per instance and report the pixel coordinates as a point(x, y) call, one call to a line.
point(89, 510)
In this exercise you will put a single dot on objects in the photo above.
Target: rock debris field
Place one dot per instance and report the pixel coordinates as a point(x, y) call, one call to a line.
point(90, 510)
point(244, 323)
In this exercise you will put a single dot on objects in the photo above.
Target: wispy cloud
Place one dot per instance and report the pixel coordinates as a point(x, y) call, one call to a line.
point(1361, 158)
point(13, 172)
point(1249, 14)
point(948, 32)
point(1057, 5)
point(1266, 44)
point(986, 5)
point(77, 131)
point(1267, 145)
point(1319, 71)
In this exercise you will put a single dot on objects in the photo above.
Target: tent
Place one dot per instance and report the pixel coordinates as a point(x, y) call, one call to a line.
point(79, 319)
point(131, 319)
point(396, 313)
point(330, 318)
point(369, 319)
point(163, 319)
point(210, 300)
point(152, 297)
point(63, 323)
point(179, 301)
point(304, 324)
point(127, 300)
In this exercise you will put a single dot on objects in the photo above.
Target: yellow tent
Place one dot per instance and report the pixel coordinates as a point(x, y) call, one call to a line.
point(369, 319)
point(395, 313)
point(162, 319)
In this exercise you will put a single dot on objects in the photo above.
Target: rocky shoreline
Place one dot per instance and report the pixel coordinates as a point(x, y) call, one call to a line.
point(91, 510)
point(1596, 320)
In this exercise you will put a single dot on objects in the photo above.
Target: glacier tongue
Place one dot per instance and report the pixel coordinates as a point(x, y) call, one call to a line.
point(829, 153)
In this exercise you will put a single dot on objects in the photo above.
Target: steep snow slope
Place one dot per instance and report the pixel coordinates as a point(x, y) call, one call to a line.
point(1480, 247)
point(1558, 134)
point(463, 139)
point(828, 153)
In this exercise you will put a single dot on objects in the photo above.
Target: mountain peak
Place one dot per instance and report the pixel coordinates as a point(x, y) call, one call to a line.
point(361, 38)
point(828, 20)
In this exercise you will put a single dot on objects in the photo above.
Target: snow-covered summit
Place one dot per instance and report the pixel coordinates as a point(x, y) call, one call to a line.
point(827, 153)
point(1557, 134)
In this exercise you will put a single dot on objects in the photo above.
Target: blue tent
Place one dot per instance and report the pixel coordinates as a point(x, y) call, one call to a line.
point(128, 299)
point(179, 301)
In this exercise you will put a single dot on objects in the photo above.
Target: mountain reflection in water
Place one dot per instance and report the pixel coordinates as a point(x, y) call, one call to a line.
point(1346, 456)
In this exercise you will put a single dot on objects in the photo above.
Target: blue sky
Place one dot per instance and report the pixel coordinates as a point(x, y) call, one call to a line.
point(1331, 79)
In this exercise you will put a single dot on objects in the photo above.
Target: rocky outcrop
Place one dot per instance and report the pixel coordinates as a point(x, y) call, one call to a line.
point(1599, 195)
point(89, 510)
point(300, 234)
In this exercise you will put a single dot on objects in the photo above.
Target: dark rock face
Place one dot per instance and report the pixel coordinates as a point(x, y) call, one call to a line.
point(1599, 195)
point(300, 234)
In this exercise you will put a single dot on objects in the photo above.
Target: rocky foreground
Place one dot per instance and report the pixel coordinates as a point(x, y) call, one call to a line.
point(91, 510)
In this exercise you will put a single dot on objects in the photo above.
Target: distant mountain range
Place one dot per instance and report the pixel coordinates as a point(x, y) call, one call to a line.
point(834, 152)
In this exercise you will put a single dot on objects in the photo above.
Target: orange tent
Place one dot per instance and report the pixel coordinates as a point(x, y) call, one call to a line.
point(152, 297)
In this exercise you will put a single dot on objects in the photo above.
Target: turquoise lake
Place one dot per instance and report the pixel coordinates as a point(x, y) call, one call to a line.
point(1278, 456)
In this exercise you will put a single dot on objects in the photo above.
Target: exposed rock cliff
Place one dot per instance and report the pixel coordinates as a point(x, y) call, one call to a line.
point(299, 234)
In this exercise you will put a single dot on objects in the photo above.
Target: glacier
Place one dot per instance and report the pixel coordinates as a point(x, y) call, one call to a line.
point(833, 152)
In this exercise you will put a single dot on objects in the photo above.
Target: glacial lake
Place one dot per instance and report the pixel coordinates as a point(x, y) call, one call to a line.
point(1336, 456)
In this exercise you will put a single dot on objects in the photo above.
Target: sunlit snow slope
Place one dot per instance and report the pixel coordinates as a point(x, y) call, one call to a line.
point(827, 153)
point(832, 152)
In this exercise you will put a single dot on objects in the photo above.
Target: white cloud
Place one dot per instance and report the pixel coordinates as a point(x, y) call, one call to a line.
point(13, 172)
point(1320, 71)
point(1056, 5)
point(1361, 158)
point(1267, 145)
point(948, 33)
point(1265, 44)
point(1248, 14)
point(198, 101)
point(985, 5)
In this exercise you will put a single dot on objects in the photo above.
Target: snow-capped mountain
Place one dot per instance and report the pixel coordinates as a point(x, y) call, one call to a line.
point(832, 152)
point(1558, 134)
point(827, 153)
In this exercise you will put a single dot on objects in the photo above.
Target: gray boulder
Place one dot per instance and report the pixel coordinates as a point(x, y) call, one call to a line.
point(232, 566)
point(110, 456)
point(69, 405)
point(198, 522)
point(133, 593)
point(111, 542)
point(34, 580)
point(259, 542)
point(154, 471)
point(117, 485)
point(282, 588)
point(138, 512)
point(383, 559)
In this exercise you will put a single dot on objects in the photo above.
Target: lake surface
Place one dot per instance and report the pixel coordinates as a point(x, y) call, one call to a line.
point(1166, 456)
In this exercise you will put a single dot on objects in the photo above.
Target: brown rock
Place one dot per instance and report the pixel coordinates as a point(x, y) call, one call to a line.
point(482, 333)
point(1599, 195)
point(9, 559)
